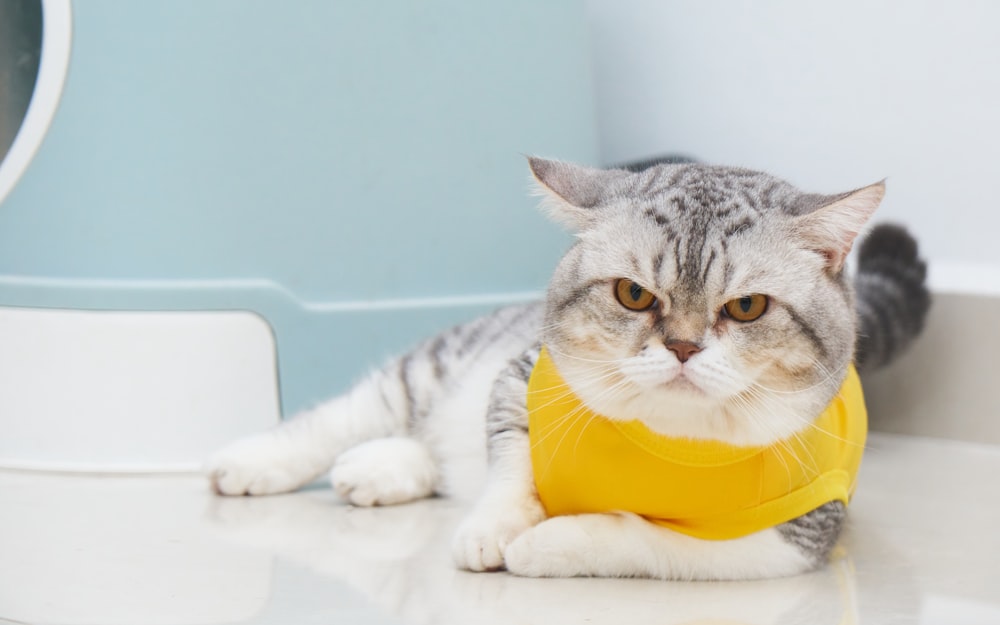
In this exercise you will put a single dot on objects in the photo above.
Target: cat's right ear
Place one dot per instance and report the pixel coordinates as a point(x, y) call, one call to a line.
point(574, 194)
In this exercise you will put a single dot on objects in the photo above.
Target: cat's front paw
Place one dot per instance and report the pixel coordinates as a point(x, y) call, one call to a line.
point(556, 547)
point(256, 465)
point(385, 471)
point(483, 537)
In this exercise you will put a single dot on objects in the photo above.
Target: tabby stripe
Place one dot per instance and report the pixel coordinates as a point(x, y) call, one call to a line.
point(880, 325)
point(815, 533)
point(470, 337)
point(650, 179)
point(694, 257)
point(503, 327)
point(727, 273)
point(525, 365)
point(634, 261)
point(677, 259)
point(767, 195)
point(383, 396)
point(738, 227)
point(807, 330)
point(708, 267)
point(436, 350)
point(576, 295)
point(658, 266)
point(404, 379)
point(892, 300)
point(507, 410)
point(508, 429)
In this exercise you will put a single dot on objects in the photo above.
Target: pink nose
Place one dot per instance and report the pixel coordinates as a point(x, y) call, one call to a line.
point(683, 349)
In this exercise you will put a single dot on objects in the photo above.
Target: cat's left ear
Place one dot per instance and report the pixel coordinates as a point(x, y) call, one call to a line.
point(832, 228)
point(575, 193)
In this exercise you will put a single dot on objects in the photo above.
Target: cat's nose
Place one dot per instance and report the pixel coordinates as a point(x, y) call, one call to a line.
point(683, 349)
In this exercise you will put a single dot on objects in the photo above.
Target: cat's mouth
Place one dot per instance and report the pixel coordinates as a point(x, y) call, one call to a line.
point(681, 383)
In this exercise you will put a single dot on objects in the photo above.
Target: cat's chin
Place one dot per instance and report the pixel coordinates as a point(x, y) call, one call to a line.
point(682, 388)
point(678, 411)
point(688, 403)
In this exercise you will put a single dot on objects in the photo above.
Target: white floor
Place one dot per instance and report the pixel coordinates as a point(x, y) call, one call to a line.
point(923, 547)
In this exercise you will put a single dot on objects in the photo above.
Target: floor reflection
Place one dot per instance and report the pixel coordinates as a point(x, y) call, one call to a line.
point(85, 549)
point(920, 547)
point(397, 557)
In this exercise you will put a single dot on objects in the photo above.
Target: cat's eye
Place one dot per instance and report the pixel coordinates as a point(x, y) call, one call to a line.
point(633, 296)
point(747, 308)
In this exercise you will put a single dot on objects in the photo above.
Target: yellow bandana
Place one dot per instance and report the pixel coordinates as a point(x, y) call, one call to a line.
point(584, 462)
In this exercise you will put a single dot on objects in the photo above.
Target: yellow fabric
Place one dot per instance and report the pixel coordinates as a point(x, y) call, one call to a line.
point(584, 462)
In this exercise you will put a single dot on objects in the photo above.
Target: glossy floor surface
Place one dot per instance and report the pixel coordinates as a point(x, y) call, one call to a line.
point(922, 547)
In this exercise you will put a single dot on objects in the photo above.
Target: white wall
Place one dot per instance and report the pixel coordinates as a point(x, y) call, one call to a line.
point(830, 96)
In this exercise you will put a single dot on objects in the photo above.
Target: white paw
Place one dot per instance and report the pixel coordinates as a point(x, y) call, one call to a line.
point(557, 547)
point(257, 465)
point(484, 535)
point(565, 546)
point(385, 471)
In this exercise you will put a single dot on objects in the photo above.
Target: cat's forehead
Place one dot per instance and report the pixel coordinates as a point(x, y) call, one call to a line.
point(688, 256)
point(696, 228)
point(697, 204)
point(708, 195)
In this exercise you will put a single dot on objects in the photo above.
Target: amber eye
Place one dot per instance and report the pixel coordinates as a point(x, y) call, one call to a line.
point(632, 296)
point(746, 308)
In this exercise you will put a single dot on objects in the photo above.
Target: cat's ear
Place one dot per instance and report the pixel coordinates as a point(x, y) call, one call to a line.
point(574, 193)
point(832, 227)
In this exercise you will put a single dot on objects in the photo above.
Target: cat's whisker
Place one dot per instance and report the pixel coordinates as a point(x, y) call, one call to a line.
point(567, 421)
point(765, 393)
point(560, 422)
point(566, 391)
point(609, 361)
point(609, 392)
point(756, 410)
point(827, 377)
point(751, 411)
point(593, 374)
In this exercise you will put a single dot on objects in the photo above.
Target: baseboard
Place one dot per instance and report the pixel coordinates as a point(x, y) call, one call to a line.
point(946, 385)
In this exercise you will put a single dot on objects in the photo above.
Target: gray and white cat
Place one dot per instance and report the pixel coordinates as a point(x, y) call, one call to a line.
point(688, 240)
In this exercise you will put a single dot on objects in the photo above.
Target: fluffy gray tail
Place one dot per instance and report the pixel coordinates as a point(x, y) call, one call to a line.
point(892, 298)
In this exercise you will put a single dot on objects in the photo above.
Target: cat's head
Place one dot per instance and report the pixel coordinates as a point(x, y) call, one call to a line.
point(708, 302)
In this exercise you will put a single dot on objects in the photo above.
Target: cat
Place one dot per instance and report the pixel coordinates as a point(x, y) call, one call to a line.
point(708, 304)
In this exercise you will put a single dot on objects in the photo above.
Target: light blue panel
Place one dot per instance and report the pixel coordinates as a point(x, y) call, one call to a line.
point(274, 156)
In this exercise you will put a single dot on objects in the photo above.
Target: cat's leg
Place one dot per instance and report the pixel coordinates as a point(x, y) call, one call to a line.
point(302, 448)
point(625, 545)
point(402, 400)
point(509, 505)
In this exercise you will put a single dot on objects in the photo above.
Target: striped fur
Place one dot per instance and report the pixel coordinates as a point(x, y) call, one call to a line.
point(893, 299)
point(816, 533)
point(695, 236)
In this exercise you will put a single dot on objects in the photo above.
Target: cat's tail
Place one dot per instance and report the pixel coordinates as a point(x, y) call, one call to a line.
point(892, 297)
